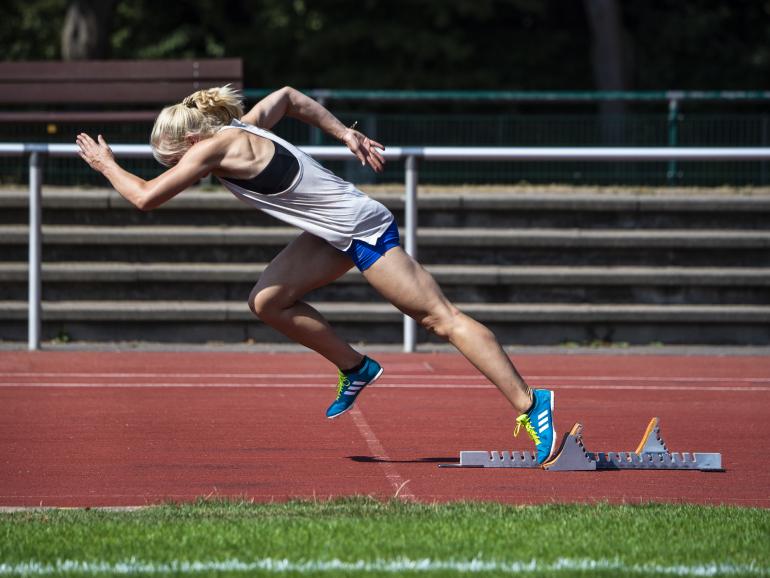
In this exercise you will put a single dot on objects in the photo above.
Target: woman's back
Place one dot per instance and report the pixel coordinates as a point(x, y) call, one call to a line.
point(316, 200)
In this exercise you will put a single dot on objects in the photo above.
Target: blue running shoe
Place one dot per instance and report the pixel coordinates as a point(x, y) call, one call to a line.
point(538, 423)
point(351, 384)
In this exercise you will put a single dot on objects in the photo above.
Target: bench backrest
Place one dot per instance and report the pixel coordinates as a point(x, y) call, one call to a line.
point(113, 81)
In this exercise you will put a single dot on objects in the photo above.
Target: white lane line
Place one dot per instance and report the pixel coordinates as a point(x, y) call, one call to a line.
point(391, 376)
point(398, 483)
point(171, 374)
point(605, 566)
point(14, 509)
point(204, 385)
point(632, 378)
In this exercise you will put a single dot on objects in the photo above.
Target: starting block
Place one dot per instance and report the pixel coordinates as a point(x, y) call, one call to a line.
point(572, 456)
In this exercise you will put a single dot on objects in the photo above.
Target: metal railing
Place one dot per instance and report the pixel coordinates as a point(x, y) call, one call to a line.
point(411, 157)
point(500, 129)
point(672, 98)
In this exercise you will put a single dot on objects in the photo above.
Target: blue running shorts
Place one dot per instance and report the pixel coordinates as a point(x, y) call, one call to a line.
point(364, 255)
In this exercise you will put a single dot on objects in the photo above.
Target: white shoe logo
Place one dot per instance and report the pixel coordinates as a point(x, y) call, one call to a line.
point(542, 421)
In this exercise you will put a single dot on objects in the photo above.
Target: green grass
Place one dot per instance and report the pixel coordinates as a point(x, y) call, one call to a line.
point(562, 540)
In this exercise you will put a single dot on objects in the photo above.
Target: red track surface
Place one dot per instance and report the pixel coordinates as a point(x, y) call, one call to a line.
point(99, 429)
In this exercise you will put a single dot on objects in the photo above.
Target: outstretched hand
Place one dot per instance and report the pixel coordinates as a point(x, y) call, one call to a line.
point(98, 155)
point(365, 149)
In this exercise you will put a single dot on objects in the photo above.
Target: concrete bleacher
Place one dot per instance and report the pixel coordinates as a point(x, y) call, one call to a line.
point(539, 267)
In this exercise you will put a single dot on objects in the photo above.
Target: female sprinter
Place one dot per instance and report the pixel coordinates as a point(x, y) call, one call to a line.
point(207, 133)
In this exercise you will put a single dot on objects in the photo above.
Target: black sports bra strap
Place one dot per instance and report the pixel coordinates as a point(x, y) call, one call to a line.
point(276, 177)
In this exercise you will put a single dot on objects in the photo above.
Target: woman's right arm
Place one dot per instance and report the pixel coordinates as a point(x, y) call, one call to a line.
point(290, 102)
point(199, 161)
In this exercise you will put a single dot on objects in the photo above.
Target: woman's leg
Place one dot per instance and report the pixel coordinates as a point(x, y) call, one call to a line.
point(305, 264)
point(408, 286)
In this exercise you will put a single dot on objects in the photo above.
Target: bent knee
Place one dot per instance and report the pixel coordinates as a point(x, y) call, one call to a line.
point(442, 321)
point(265, 302)
point(257, 302)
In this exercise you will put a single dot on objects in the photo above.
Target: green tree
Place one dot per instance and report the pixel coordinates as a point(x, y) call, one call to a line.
point(462, 44)
point(87, 29)
point(31, 30)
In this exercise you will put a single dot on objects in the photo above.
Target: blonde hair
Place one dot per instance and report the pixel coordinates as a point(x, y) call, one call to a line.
point(200, 115)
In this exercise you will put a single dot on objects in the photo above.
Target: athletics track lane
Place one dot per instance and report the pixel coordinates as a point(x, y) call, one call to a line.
point(112, 429)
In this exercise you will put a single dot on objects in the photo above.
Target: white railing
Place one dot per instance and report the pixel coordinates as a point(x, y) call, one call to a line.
point(411, 156)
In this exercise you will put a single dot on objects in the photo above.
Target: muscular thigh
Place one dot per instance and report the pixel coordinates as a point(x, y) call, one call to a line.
point(407, 285)
point(308, 262)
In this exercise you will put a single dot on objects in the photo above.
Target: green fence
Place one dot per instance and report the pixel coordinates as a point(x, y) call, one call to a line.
point(663, 121)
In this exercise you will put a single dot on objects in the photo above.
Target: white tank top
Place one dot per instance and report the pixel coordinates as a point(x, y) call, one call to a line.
point(317, 201)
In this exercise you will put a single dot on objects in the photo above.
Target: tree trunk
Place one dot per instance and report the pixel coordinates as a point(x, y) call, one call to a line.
point(87, 28)
point(608, 56)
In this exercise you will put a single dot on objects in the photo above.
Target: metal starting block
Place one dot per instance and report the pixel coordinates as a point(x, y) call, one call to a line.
point(572, 455)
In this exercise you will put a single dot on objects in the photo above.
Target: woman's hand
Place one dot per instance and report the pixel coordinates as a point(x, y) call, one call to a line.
point(98, 155)
point(365, 149)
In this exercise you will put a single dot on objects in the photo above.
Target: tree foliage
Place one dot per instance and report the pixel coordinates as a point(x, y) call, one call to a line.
point(430, 44)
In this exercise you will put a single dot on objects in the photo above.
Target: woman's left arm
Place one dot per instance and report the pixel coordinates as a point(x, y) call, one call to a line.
point(199, 161)
point(291, 102)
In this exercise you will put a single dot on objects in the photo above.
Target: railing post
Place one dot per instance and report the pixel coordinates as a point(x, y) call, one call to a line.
point(35, 246)
point(673, 137)
point(763, 165)
point(410, 223)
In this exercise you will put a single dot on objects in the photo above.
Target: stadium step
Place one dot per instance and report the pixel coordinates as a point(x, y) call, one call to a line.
point(470, 283)
point(474, 237)
point(472, 208)
point(541, 322)
point(680, 247)
point(384, 312)
point(75, 272)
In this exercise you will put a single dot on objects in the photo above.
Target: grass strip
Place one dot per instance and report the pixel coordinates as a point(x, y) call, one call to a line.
point(355, 536)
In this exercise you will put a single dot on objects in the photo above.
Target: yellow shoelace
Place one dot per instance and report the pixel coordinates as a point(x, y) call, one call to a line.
point(523, 419)
point(342, 383)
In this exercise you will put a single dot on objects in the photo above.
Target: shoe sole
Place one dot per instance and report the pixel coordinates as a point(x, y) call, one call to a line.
point(553, 425)
point(347, 409)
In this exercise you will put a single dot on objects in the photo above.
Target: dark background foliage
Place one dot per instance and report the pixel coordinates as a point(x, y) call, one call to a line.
point(420, 44)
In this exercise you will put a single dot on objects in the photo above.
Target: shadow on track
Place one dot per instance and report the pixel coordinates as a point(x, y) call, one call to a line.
point(432, 460)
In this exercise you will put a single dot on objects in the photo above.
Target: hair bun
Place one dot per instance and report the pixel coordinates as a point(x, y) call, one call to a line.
point(221, 102)
point(209, 99)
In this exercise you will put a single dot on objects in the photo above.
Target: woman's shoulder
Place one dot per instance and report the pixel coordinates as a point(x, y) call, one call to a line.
point(211, 149)
point(253, 128)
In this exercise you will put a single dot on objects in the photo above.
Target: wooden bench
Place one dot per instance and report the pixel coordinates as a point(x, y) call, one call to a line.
point(139, 84)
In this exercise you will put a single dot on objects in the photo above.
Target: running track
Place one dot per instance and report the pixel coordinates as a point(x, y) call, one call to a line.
point(119, 429)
